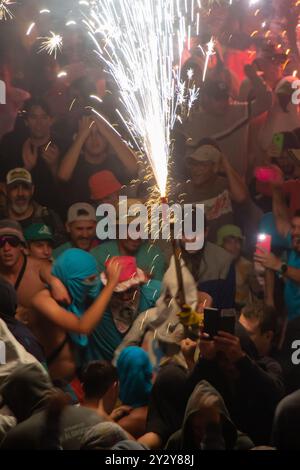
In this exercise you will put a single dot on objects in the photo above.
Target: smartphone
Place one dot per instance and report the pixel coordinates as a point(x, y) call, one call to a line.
point(266, 174)
point(278, 142)
point(264, 241)
point(211, 322)
point(227, 320)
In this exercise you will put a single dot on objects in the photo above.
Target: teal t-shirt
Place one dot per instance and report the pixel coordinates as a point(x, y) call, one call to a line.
point(61, 248)
point(105, 338)
point(149, 257)
point(292, 288)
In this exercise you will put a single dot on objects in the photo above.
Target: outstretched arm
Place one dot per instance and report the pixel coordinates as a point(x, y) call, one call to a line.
point(237, 187)
point(48, 307)
point(280, 212)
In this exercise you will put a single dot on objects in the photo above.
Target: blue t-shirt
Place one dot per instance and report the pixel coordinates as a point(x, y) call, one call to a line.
point(292, 288)
point(106, 337)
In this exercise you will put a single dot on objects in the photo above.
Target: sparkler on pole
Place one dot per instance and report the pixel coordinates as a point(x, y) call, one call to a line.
point(210, 51)
point(136, 41)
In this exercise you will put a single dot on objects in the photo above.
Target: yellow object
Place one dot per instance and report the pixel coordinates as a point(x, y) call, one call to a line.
point(189, 317)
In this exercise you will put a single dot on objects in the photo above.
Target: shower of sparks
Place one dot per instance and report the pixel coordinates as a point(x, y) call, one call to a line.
point(51, 44)
point(135, 39)
point(210, 51)
point(5, 12)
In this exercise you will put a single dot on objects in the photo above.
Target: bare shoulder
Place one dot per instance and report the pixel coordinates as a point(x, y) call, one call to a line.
point(37, 264)
point(41, 296)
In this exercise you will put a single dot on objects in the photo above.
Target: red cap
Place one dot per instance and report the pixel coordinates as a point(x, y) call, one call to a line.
point(128, 267)
point(130, 276)
point(103, 184)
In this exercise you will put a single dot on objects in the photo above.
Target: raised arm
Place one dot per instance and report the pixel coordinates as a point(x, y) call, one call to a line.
point(70, 160)
point(47, 306)
point(280, 212)
point(263, 96)
point(237, 187)
point(123, 152)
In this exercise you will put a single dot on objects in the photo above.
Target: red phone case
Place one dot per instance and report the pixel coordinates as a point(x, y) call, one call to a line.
point(264, 243)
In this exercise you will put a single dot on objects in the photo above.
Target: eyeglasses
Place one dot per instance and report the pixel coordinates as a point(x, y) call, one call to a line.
point(11, 240)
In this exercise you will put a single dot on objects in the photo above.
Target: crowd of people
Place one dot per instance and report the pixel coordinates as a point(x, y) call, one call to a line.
point(97, 355)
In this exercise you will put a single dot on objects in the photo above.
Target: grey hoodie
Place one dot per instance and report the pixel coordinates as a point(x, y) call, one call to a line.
point(218, 437)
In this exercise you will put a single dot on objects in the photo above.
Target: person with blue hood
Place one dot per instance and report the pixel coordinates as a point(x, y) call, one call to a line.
point(135, 381)
point(68, 326)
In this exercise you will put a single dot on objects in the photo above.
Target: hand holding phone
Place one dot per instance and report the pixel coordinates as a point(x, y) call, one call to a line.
point(218, 320)
point(263, 243)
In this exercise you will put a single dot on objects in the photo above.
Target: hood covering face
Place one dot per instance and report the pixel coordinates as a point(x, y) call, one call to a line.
point(135, 374)
point(228, 428)
point(72, 268)
point(26, 390)
point(167, 325)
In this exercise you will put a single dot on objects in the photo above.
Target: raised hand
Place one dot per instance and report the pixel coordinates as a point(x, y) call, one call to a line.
point(29, 154)
point(113, 271)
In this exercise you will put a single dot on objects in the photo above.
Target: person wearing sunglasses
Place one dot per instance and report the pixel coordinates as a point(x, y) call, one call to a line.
point(25, 273)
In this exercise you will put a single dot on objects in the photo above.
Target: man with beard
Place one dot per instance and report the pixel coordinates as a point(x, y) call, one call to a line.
point(149, 257)
point(133, 294)
point(81, 227)
point(22, 207)
point(289, 270)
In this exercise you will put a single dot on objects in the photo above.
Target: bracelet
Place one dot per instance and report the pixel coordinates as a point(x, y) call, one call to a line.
point(283, 269)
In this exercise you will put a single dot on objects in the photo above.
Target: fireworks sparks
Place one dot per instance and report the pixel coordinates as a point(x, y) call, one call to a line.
point(210, 51)
point(51, 44)
point(30, 29)
point(5, 12)
point(138, 50)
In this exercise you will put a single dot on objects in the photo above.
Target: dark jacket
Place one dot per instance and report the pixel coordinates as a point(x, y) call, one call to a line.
point(251, 393)
point(26, 392)
point(286, 426)
point(221, 436)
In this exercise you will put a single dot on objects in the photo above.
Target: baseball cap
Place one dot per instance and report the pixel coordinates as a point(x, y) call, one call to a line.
point(11, 227)
point(130, 275)
point(229, 231)
point(18, 175)
point(81, 211)
point(217, 90)
point(102, 184)
point(36, 232)
point(205, 153)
